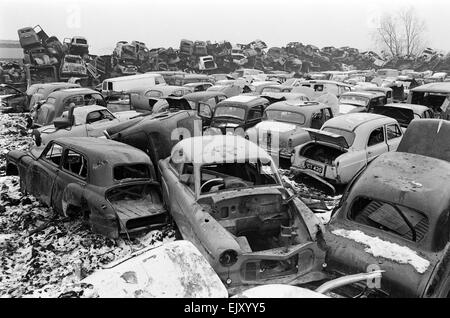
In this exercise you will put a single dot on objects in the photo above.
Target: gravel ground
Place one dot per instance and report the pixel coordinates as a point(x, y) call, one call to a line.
point(45, 255)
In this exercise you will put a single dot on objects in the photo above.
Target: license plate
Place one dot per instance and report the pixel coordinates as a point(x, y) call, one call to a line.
point(314, 167)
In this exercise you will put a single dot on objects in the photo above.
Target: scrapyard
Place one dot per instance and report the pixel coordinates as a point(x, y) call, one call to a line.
point(222, 169)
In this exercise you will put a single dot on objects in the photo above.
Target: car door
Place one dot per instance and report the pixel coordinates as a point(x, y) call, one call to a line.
point(43, 172)
point(376, 143)
point(254, 116)
point(74, 169)
point(393, 136)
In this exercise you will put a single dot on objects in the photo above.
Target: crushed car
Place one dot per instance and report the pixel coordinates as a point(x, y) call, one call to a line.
point(109, 184)
point(226, 197)
point(394, 216)
point(345, 145)
point(281, 128)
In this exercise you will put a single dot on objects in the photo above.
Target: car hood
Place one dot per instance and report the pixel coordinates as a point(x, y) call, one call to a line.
point(327, 137)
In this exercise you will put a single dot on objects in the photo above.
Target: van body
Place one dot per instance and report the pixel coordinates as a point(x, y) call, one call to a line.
point(132, 82)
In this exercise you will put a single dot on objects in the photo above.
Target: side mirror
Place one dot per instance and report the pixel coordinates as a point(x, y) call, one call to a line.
point(185, 178)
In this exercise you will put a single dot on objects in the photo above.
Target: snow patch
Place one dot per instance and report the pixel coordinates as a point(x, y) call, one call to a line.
point(377, 247)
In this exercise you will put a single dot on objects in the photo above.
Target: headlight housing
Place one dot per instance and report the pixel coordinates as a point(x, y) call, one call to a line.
point(228, 258)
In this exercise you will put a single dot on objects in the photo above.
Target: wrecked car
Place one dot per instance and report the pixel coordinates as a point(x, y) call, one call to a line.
point(360, 102)
point(433, 95)
point(345, 145)
point(146, 99)
point(72, 66)
point(12, 99)
point(155, 134)
point(235, 113)
point(226, 197)
point(40, 91)
point(404, 113)
point(60, 101)
point(321, 86)
point(394, 216)
point(87, 121)
point(375, 89)
point(274, 97)
point(228, 87)
point(109, 184)
point(281, 128)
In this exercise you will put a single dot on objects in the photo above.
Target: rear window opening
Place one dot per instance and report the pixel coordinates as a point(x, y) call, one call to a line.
point(433, 101)
point(400, 220)
point(133, 171)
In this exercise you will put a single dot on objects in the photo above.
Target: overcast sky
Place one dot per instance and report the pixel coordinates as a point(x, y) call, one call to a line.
point(164, 23)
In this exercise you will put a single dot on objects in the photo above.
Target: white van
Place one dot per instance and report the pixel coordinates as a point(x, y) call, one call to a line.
point(131, 82)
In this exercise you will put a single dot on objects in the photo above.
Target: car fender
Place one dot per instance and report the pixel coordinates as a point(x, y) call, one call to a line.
point(72, 196)
point(348, 164)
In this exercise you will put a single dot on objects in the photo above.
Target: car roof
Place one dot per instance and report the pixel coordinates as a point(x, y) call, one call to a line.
point(376, 88)
point(244, 99)
point(195, 84)
point(442, 87)
point(292, 105)
point(72, 91)
point(326, 82)
point(419, 182)
point(202, 150)
point(352, 121)
point(363, 94)
point(413, 107)
point(99, 149)
point(201, 96)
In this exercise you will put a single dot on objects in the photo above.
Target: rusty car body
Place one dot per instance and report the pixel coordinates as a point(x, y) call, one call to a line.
point(281, 128)
point(61, 100)
point(433, 95)
point(394, 216)
point(345, 145)
point(112, 185)
point(226, 197)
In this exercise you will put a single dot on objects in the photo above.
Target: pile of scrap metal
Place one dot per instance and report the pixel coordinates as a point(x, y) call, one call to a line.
point(47, 59)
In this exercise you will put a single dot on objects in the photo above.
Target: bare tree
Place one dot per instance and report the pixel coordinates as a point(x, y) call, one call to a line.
point(401, 33)
point(414, 29)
